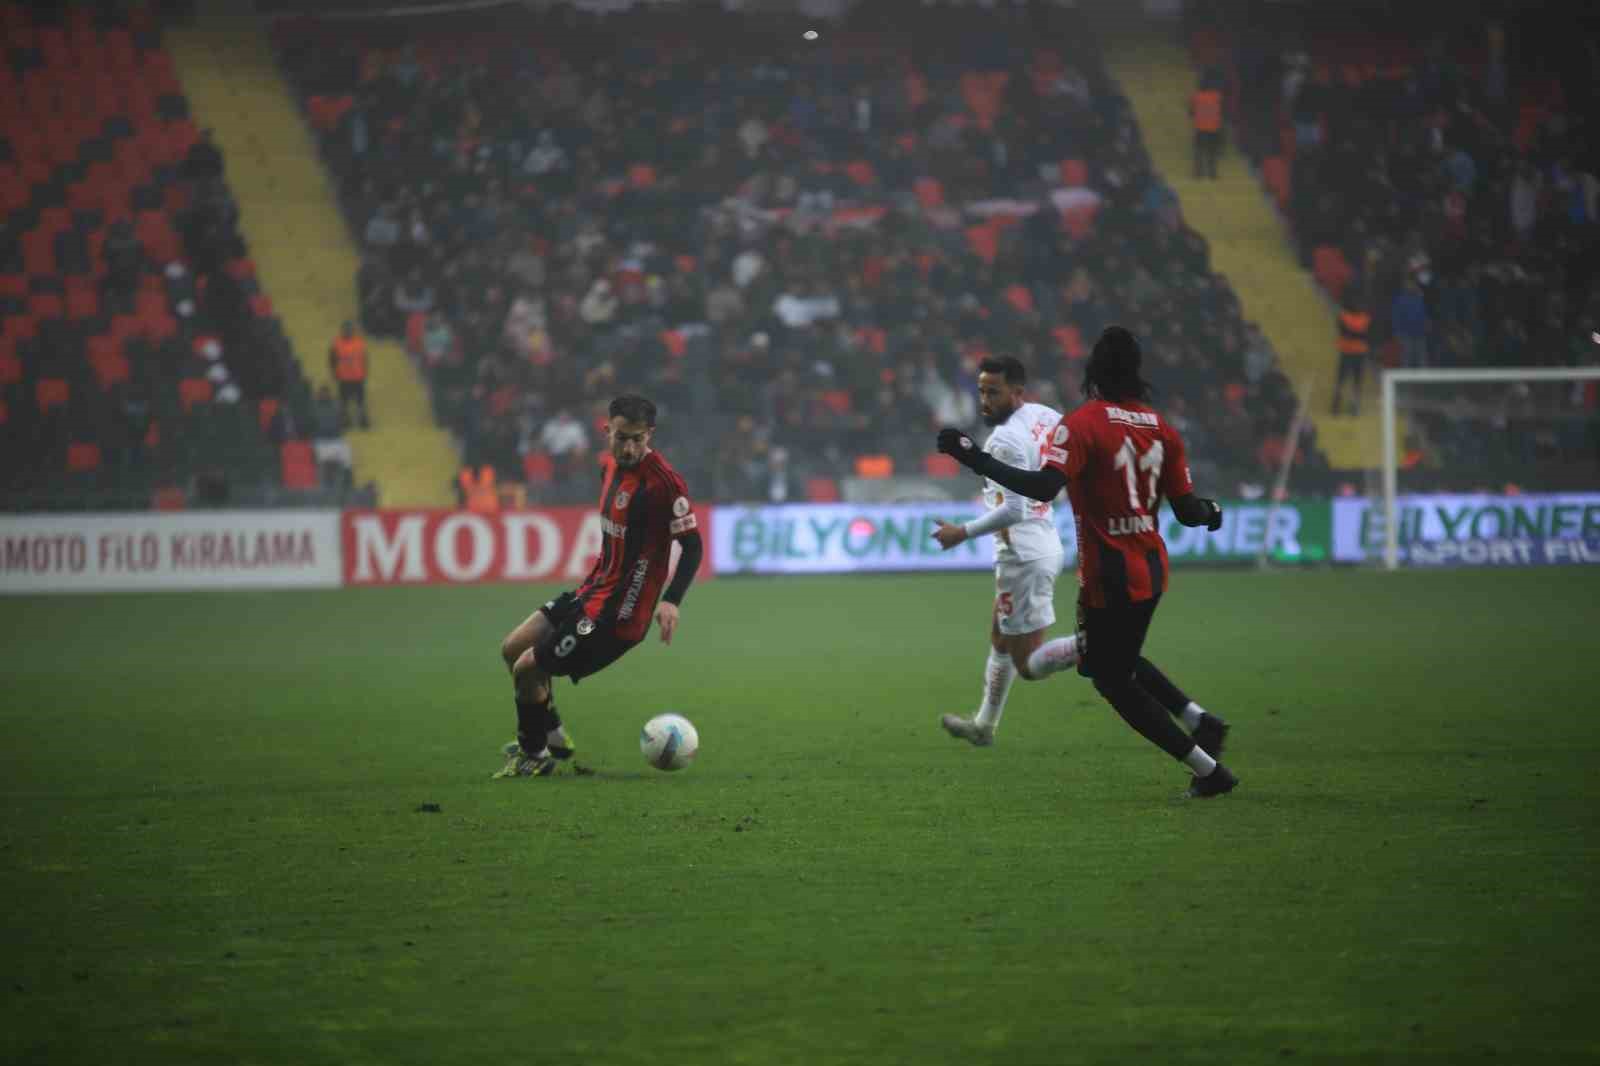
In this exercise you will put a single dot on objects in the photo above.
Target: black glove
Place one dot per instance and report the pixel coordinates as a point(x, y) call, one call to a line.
point(1213, 523)
point(959, 446)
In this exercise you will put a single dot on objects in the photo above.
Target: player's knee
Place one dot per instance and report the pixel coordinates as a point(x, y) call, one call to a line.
point(511, 650)
point(1019, 659)
point(1113, 689)
point(526, 666)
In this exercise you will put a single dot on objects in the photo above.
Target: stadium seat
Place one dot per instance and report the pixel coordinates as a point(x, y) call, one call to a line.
point(83, 456)
point(298, 465)
point(938, 464)
point(538, 468)
point(192, 392)
point(822, 490)
point(51, 393)
point(1275, 172)
point(874, 467)
point(1329, 267)
point(168, 498)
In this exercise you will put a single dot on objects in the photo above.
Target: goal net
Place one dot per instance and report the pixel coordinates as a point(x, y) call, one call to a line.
point(1484, 466)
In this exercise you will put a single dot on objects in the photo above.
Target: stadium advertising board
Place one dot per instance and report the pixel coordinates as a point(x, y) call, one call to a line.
point(1531, 530)
point(831, 538)
point(148, 551)
point(556, 544)
point(463, 547)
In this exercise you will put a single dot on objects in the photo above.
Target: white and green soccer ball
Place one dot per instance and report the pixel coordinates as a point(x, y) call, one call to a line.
point(669, 742)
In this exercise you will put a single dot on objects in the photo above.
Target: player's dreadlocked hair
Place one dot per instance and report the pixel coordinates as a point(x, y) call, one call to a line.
point(633, 408)
point(1112, 372)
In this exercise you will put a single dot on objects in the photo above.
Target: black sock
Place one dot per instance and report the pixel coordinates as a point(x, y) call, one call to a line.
point(1141, 711)
point(1155, 682)
point(534, 722)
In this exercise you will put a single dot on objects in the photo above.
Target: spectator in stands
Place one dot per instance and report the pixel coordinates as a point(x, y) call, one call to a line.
point(347, 361)
point(564, 439)
point(1408, 321)
point(1205, 111)
point(1355, 326)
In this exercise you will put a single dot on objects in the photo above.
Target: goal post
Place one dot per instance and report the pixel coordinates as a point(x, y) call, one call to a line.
point(1391, 379)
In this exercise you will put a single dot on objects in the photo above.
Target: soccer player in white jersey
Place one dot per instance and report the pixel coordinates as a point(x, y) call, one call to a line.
point(1027, 551)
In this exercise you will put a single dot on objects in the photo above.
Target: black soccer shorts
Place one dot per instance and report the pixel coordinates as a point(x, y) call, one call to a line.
point(1110, 639)
point(578, 645)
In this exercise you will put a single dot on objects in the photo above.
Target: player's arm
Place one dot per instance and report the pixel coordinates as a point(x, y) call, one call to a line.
point(684, 528)
point(1013, 509)
point(1191, 510)
point(1042, 485)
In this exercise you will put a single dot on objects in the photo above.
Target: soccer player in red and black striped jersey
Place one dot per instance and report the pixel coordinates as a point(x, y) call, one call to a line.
point(644, 509)
point(1117, 459)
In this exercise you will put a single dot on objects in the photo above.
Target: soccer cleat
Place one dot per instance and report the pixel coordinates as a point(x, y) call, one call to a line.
point(967, 729)
point(1216, 783)
point(520, 764)
point(1211, 734)
point(559, 742)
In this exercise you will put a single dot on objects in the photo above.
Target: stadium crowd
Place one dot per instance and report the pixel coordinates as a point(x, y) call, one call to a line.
point(801, 249)
point(1442, 179)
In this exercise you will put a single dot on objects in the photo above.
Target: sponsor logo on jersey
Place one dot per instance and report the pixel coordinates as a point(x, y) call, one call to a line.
point(631, 600)
point(585, 626)
point(622, 499)
point(680, 506)
point(1123, 525)
point(1059, 438)
point(614, 529)
point(682, 525)
point(1132, 418)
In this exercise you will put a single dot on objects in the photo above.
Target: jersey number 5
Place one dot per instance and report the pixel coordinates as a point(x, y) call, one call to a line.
point(1132, 464)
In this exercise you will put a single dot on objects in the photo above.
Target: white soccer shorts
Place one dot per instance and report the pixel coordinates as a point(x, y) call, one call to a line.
point(1025, 594)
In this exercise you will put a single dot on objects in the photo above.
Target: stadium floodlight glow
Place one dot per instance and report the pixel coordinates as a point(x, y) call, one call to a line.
point(1443, 376)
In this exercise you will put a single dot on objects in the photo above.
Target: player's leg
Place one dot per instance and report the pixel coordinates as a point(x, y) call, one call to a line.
point(1210, 731)
point(1034, 657)
point(539, 727)
point(998, 674)
point(1115, 636)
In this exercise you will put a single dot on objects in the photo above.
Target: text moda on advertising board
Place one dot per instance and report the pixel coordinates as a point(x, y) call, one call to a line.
point(556, 544)
point(143, 550)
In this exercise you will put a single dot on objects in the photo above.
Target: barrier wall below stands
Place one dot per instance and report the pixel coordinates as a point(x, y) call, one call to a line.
point(56, 553)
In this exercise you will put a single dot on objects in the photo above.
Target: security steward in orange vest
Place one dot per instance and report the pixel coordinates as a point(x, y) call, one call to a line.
point(348, 361)
point(477, 491)
point(1355, 327)
point(1205, 108)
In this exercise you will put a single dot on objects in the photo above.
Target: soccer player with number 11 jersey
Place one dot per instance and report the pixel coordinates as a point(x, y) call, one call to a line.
point(1117, 459)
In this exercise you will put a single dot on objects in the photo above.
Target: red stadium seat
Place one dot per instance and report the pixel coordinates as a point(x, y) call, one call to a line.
point(193, 391)
point(1275, 174)
point(1332, 271)
point(265, 410)
point(538, 468)
point(874, 467)
point(822, 490)
point(83, 457)
point(169, 498)
point(938, 464)
point(298, 465)
point(51, 392)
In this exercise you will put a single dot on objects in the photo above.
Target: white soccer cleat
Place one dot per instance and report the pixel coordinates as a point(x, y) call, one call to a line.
point(979, 736)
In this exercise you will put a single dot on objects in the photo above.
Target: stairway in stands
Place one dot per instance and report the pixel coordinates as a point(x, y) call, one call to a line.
point(1249, 244)
point(303, 251)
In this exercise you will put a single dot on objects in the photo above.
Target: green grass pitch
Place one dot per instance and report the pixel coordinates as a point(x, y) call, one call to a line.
point(212, 849)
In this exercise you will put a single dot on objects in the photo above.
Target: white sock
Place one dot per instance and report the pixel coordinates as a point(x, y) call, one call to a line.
point(998, 673)
point(1052, 656)
point(1192, 715)
point(1201, 763)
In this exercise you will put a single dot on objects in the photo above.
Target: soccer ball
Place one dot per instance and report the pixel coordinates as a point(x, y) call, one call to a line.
point(669, 742)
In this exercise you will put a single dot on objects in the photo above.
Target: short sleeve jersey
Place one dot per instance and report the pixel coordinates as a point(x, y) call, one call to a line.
point(1019, 441)
point(643, 509)
point(1121, 460)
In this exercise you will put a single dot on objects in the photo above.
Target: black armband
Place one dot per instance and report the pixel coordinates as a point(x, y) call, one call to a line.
point(688, 566)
